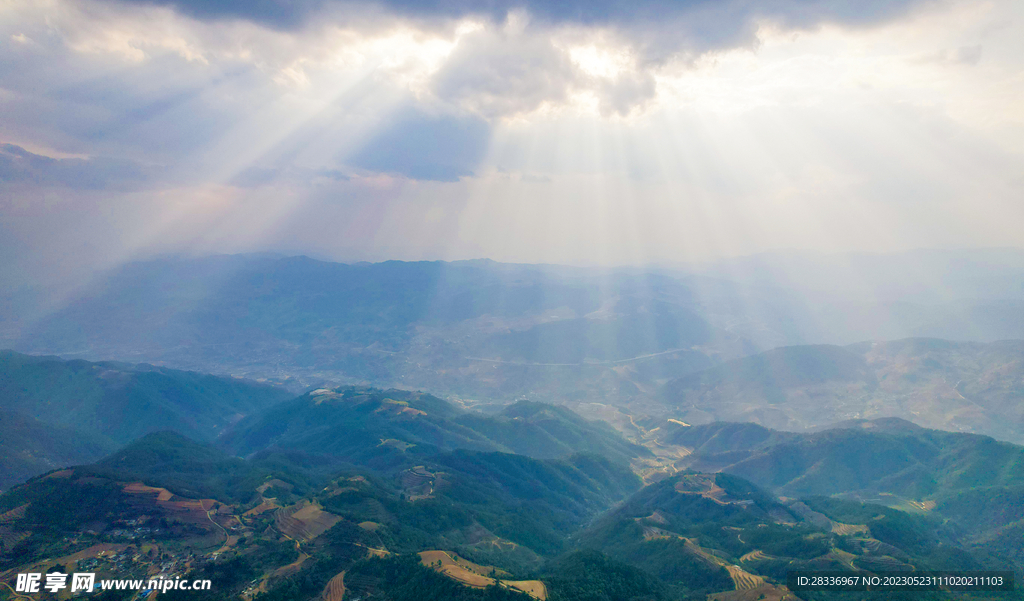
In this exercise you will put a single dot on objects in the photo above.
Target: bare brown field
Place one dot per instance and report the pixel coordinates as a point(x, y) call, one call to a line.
point(61, 474)
point(304, 521)
point(262, 508)
point(922, 505)
point(262, 488)
point(489, 540)
point(534, 588)
point(138, 488)
point(430, 559)
point(289, 569)
point(181, 508)
point(744, 580)
point(847, 529)
point(875, 546)
point(703, 485)
point(657, 517)
point(703, 553)
point(419, 483)
point(465, 576)
point(398, 408)
point(231, 541)
point(477, 576)
point(369, 526)
point(335, 589)
point(755, 555)
point(371, 552)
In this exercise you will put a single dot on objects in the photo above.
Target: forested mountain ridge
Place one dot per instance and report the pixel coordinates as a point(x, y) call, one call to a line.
point(121, 402)
point(55, 413)
point(29, 447)
point(700, 533)
point(549, 527)
point(360, 424)
point(588, 338)
point(972, 481)
point(499, 508)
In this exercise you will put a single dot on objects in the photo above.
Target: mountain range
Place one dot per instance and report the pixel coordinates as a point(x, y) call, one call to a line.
point(957, 386)
point(369, 488)
point(498, 332)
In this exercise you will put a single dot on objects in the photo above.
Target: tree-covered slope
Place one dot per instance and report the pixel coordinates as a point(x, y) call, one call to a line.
point(364, 424)
point(868, 457)
point(499, 509)
point(122, 402)
point(701, 533)
point(975, 482)
point(29, 447)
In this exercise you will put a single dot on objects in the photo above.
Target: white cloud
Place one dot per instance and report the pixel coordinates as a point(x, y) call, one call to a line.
point(532, 138)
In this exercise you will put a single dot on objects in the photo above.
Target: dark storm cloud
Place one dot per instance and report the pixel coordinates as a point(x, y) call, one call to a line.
point(656, 24)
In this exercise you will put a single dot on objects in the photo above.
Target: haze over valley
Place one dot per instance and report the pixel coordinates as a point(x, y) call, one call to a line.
point(380, 300)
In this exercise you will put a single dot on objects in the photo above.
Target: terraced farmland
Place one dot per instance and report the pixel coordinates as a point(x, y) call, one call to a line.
point(744, 580)
point(304, 521)
point(478, 576)
point(335, 589)
point(848, 529)
point(756, 555)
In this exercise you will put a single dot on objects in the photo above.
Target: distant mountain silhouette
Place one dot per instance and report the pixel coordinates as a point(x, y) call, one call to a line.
point(965, 386)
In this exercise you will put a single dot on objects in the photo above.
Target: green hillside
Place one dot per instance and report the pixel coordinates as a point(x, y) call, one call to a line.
point(974, 482)
point(371, 426)
point(288, 521)
point(499, 509)
point(701, 533)
point(122, 402)
point(868, 458)
point(29, 447)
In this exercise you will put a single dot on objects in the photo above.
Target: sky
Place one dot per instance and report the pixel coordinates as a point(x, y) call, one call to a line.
point(576, 132)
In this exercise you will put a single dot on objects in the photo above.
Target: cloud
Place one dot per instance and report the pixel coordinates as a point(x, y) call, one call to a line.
point(19, 166)
point(731, 17)
point(254, 177)
point(277, 14)
point(518, 59)
point(427, 147)
point(964, 55)
point(497, 73)
point(693, 128)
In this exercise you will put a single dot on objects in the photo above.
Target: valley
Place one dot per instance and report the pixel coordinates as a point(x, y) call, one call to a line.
point(520, 433)
point(435, 499)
